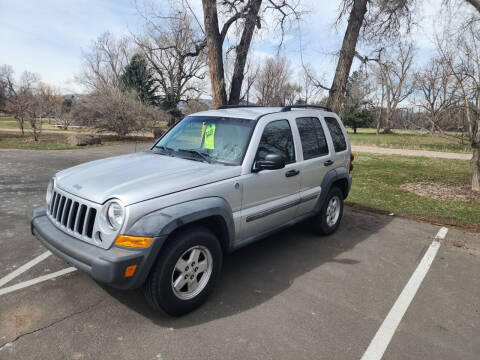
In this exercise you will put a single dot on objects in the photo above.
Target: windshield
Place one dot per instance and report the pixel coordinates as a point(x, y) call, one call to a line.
point(209, 139)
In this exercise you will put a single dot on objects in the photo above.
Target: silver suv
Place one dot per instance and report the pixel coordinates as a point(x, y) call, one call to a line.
point(217, 181)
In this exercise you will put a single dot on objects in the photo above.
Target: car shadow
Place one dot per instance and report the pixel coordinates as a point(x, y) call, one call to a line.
point(260, 271)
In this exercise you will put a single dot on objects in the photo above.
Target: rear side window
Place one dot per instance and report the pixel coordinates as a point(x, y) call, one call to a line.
point(337, 134)
point(277, 138)
point(314, 143)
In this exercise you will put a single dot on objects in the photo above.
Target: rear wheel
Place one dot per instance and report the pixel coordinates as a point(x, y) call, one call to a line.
point(185, 272)
point(329, 217)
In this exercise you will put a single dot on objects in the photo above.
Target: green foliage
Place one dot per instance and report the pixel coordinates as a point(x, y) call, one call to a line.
point(357, 118)
point(356, 111)
point(139, 77)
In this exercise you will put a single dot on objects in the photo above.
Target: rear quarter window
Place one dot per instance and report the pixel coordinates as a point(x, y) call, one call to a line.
point(339, 142)
point(313, 139)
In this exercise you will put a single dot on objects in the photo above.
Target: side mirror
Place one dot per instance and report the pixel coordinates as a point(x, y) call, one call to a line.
point(271, 162)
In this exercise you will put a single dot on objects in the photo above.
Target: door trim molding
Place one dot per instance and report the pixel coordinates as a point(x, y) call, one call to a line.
point(273, 210)
point(282, 207)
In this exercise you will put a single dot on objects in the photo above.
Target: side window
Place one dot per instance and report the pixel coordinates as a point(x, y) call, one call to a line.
point(277, 138)
point(337, 135)
point(314, 143)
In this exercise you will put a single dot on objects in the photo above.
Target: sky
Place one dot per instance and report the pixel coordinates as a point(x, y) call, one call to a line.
point(47, 37)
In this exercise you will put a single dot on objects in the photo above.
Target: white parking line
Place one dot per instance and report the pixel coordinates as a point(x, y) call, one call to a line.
point(384, 335)
point(24, 268)
point(37, 280)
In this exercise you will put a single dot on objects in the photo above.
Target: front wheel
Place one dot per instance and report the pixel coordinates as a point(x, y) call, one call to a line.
point(329, 217)
point(185, 272)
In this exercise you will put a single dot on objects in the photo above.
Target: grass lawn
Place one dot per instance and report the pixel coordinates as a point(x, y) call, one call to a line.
point(9, 123)
point(402, 139)
point(53, 141)
point(15, 140)
point(377, 180)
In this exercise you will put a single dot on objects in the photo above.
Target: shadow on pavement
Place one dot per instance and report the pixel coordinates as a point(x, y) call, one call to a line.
point(260, 271)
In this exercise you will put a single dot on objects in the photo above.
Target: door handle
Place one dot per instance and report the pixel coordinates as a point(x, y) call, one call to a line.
point(328, 163)
point(291, 173)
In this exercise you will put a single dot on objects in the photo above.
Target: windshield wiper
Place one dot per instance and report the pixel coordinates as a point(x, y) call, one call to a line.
point(166, 149)
point(199, 154)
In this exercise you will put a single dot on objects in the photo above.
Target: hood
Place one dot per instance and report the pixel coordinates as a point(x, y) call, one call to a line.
point(136, 177)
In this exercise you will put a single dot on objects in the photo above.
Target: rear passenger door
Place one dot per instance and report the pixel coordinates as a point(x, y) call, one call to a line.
point(317, 160)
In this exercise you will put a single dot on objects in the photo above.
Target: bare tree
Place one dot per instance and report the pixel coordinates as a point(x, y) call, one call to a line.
point(395, 75)
point(379, 20)
point(309, 89)
point(252, 68)
point(193, 106)
point(462, 55)
point(47, 98)
point(435, 83)
point(117, 111)
point(104, 61)
point(247, 15)
point(378, 97)
point(273, 83)
point(174, 48)
point(64, 111)
point(22, 102)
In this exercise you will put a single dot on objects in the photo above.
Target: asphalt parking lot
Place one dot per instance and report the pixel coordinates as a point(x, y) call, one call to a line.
point(291, 296)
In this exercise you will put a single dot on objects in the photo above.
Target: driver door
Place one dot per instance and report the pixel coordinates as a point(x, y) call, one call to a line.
point(271, 197)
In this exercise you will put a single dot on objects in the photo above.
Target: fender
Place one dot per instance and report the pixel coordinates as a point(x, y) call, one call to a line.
point(163, 222)
point(330, 177)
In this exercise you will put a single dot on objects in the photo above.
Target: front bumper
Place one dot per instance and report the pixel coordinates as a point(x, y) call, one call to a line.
point(104, 265)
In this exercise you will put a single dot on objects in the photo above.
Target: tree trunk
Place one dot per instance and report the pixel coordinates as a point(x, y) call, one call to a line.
point(379, 123)
point(475, 3)
point(242, 52)
point(475, 164)
point(21, 125)
point(215, 52)
point(347, 52)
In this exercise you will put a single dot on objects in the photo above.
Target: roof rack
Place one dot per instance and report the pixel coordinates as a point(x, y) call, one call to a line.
point(237, 106)
point(304, 106)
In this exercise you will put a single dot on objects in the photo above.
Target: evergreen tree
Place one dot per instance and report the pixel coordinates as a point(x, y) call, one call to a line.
point(356, 111)
point(139, 77)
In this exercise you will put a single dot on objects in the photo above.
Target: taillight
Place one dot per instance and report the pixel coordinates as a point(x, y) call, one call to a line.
point(352, 157)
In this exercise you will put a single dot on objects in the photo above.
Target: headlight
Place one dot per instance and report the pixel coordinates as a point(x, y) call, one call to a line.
point(114, 213)
point(49, 194)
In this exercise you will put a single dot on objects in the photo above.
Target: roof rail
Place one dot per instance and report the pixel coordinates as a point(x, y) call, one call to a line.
point(305, 106)
point(236, 106)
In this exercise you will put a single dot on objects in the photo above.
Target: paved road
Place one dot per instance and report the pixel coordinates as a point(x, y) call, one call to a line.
point(292, 295)
point(408, 152)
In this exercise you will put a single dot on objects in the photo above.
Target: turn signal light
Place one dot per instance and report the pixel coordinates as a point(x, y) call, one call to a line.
point(130, 270)
point(133, 241)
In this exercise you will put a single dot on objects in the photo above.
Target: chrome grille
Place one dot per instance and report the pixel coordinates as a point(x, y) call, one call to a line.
point(72, 215)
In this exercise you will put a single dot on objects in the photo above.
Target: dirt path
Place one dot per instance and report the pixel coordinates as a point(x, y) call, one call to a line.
point(407, 152)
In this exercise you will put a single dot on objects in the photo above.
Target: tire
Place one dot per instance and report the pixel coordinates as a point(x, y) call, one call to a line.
point(193, 285)
point(325, 223)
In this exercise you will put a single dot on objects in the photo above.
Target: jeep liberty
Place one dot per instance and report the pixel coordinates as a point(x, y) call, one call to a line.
point(216, 181)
